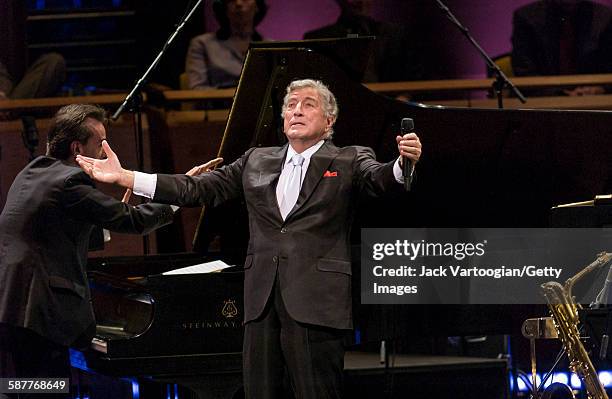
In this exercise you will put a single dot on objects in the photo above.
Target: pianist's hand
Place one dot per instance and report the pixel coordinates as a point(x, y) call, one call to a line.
point(107, 170)
point(205, 167)
point(196, 170)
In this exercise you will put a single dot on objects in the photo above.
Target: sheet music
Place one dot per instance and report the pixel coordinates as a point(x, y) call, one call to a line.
point(208, 267)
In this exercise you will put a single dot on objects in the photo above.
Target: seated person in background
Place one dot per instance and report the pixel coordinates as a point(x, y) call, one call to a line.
point(562, 37)
point(214, 60)
point(43, 78)
point(396, 56)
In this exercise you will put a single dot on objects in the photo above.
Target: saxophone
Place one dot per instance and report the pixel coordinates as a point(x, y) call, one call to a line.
point(564, 312)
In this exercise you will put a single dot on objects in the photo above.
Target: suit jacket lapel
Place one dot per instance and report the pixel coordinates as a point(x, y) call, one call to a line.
point(273, 164)
point(319, 163)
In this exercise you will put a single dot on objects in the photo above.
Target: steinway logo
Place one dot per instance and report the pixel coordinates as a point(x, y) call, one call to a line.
point(229, 311)
point(211, 324)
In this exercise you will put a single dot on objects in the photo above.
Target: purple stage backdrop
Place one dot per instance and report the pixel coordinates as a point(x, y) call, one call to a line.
point(449, 53)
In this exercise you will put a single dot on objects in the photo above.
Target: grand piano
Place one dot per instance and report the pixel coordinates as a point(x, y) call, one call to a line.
point(480, 168)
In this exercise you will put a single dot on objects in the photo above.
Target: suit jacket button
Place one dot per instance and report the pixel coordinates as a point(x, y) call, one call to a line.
point(275, 259)
point(283, 230)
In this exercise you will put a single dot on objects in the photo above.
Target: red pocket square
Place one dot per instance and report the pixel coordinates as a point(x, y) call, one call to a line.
point(330, 174)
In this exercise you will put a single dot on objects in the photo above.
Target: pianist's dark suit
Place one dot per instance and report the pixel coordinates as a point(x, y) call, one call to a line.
point(308, 253)
point(45, 226)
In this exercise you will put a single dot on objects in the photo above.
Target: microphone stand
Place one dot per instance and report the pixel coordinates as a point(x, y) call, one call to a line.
point(138, 87)
point(501, 80)
point(133, 101)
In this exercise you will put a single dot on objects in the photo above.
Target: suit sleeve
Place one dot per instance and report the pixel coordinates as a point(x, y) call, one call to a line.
point(374, 178)
point(211, 188)
point(82, 201)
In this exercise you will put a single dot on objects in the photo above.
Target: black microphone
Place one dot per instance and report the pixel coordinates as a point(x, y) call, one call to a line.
point(407, 127)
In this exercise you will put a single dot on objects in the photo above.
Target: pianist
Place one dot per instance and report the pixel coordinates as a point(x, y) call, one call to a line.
point(301, 199)
point(50, 211)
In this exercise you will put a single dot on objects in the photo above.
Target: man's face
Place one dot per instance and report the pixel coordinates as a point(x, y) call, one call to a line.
point(93, 146)
point(304, 117)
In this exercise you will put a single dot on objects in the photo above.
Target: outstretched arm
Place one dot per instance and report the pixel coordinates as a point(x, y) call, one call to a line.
point(409, 145)
point(196, 170)
point(211, 188)
point(377, 178)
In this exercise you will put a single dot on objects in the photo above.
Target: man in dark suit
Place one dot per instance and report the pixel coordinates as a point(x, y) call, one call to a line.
point(301, 199)
point(562, 37)
point(51, 209)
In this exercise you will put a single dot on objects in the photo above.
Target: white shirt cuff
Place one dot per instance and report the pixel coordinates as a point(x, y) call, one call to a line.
point(144, 184)
point(398, 173)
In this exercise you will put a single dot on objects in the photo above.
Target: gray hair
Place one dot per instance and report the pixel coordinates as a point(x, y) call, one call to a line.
point(329, 103)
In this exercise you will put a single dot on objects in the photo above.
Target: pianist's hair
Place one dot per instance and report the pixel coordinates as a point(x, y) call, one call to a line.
point(330, 105)
point(70, 124)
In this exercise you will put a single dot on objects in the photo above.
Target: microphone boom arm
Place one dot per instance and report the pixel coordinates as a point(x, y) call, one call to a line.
point(501, 79)
point(137, 88)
